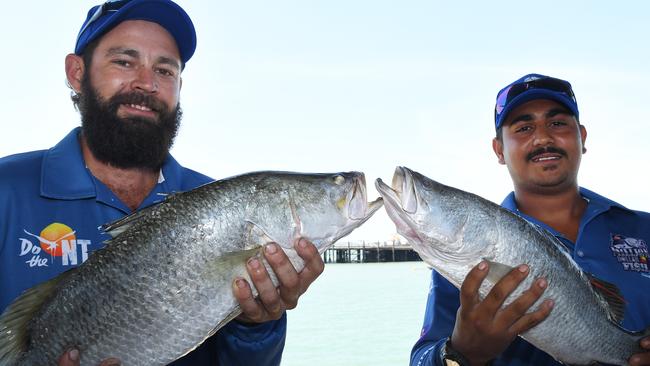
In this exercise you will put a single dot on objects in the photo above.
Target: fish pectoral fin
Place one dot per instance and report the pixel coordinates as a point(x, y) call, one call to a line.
point(227, 263)
point(497, 271)
point(16, 318)
point(255, 236)
point(612, 296)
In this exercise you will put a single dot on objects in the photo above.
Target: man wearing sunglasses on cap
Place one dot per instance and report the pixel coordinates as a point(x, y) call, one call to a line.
point(541, 141)
point(125, 76)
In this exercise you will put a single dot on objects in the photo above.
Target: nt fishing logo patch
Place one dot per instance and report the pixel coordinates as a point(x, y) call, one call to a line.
point(631, 253)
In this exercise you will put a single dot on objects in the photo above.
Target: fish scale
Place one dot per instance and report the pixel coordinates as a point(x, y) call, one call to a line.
point(164, 282)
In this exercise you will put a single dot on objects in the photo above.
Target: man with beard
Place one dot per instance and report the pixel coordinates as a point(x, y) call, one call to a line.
point(541, 141)
point(125, 76)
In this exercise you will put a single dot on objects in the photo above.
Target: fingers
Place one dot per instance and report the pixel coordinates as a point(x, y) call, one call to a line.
point(500, 292)
point(289, 288)
point(641, 359)
point(252, 310)
point(314, 264)
point(272, 302)
point(645, 343)
point(268, 305)
point(513, 314)
point(69, 358)
point(469, 296)
point(530, 320)
point(110, 362)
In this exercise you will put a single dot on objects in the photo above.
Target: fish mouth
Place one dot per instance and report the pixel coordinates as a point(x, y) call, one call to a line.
point(401, 193)
point(397, 197)
point(404, 185)
point(358, 207)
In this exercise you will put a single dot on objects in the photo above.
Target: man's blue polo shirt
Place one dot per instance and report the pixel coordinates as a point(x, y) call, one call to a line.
point(51, 207)
point(612, 245)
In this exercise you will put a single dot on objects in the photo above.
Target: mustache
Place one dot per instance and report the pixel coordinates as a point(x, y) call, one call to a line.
point(148, 101)
point(545, 150)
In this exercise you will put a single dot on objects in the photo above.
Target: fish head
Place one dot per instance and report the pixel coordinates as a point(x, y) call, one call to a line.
point(326, 207)
point(434, 218)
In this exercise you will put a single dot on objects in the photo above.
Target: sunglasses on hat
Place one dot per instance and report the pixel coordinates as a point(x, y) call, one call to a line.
point(547, 83)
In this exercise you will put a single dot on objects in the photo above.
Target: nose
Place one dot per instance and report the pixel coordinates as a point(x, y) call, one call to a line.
point(145, 80)
point(542, 137)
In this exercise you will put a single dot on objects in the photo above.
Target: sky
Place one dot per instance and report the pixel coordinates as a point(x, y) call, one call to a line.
point(341, 85)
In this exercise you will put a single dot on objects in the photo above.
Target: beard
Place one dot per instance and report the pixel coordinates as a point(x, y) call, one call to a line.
point(130, 142)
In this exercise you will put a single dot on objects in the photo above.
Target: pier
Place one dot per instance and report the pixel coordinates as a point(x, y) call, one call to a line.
point(370, 252)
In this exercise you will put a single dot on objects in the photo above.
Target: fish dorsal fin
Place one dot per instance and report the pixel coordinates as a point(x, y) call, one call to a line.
point(612, 296)
point(497, 271)
point(119, 226)
point(255, 236)
point(14, 322)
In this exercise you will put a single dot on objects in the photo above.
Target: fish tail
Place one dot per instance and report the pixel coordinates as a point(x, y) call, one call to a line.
point(14, 334)
point(15, 321)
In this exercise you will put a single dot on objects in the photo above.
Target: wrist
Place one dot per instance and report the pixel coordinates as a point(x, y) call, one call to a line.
point(449, 356)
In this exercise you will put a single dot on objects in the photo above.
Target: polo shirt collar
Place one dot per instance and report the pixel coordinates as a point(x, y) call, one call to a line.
point(596, 204)
point(64, 174)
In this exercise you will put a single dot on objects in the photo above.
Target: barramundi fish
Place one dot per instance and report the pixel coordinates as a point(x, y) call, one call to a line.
point(453, 231)
point(163, 283)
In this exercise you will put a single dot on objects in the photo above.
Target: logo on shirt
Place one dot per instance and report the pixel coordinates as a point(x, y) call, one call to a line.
point(56, 243)
point(632, 253)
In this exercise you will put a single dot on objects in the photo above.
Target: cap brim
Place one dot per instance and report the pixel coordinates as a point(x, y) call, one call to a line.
point(167, 14)
point(533, 94)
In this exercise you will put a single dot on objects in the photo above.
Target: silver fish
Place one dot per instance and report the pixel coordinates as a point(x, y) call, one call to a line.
point(163, 283)
point(453, 230)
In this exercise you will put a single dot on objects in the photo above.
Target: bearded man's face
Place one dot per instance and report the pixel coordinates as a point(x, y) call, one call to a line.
point(127, 142)
point(129, 95)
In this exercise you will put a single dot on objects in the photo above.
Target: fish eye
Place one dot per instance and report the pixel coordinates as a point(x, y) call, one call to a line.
point(339, 180)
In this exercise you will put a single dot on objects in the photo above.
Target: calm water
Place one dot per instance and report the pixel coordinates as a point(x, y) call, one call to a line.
point(359, 314)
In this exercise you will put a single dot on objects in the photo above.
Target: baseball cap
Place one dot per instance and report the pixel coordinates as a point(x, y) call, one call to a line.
point(530, 87)
point(166, 13)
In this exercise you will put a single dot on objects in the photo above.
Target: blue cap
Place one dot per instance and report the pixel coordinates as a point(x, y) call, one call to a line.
point(531, 87)
point(167, 14)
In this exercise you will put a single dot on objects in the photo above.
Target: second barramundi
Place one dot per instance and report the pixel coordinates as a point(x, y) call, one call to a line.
point(453, 231)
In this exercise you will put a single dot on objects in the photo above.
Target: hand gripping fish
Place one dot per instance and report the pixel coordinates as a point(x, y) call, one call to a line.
point(163, 283)
point(453, 231)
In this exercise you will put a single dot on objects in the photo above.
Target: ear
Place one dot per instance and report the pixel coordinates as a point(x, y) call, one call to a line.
point(583, 137)
point(74, 71)
point(497, 146)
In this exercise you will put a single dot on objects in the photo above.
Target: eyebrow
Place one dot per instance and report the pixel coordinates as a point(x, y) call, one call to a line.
point(549, 114)
point(135, 54)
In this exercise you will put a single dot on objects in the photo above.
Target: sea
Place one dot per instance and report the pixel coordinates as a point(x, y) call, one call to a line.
point(358, 314)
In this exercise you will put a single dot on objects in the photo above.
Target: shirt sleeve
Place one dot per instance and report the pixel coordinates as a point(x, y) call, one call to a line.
point(237, 344)
point(439, 319)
